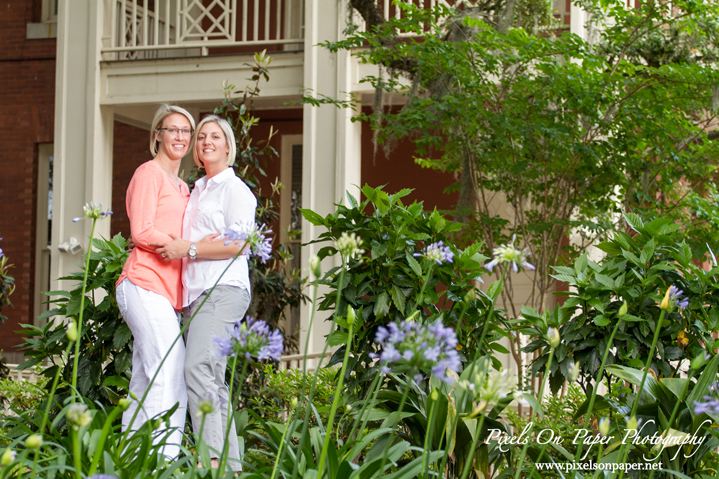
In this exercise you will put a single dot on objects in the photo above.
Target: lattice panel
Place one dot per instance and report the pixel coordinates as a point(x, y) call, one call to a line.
point(200, 22)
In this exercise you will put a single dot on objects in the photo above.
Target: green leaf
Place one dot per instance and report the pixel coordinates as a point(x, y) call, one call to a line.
point(352, 200)
point(313, 217)
point(381, 307)
point(495, 289)
point(533, 403)
point(605, 280)
point(117, 381)
point(633, 220)
point(337, 338)
point(122, 336)
point(647, 251)
point(413, 264)
point(398, 297)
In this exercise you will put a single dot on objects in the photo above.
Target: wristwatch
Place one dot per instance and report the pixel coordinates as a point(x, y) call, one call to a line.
point(193, 251)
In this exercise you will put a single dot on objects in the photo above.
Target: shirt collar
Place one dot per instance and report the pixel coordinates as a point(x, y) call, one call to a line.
point(203, 182)
point(220, 177)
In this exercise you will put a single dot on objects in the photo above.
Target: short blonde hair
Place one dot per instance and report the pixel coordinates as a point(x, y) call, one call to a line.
point(229, 138)
point(163, 112)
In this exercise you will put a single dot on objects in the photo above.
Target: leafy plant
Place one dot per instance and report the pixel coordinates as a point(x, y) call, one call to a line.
point(637, 269)
point(105, 347)
point(389, 284)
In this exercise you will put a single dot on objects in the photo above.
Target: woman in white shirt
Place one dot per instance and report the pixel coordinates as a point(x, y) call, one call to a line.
point(218, 200)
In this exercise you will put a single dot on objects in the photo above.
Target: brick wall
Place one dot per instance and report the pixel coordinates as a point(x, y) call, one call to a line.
point(27, 106)
point(131, 148)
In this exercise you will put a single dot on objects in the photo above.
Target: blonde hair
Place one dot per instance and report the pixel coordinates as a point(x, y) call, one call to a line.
point(163, 112)
point(229, 138)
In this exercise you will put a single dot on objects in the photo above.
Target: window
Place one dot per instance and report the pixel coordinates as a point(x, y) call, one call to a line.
point(43, 228)
point(290, 216)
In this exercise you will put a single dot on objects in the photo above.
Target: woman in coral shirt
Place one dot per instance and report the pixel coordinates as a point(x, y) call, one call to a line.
point(149, 291)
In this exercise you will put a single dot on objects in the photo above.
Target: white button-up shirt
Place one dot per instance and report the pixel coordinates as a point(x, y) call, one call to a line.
point(214, 205)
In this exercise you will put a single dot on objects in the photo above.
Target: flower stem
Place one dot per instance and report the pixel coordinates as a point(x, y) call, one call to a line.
point(230, 411)
point(394, 425)
point(335, 401)
point(588, 415)
point(101, 440)
point(82, 309)
point(308, 401)
point(427, 440)
point(623, 451)
point(282, 441)
point(77, 459)
point(470, 459)
point(531, 416)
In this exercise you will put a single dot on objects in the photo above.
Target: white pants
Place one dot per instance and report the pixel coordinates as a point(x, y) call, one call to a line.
point(155, 325)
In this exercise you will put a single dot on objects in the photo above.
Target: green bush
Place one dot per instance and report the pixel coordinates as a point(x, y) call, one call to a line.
point(105, 343)
point(638, 269)
point(273, 399)
point(389, 283)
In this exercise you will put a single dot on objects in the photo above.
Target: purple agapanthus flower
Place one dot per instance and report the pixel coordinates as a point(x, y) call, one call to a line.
point(1, 253)
point(250, 339)
point(423, 347)
point(102, 476)
point(676, 296)
point(709, 403)
point(437, 252)
point(255, 236)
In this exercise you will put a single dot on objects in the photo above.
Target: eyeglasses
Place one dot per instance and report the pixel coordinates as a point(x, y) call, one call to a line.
point(174, 131)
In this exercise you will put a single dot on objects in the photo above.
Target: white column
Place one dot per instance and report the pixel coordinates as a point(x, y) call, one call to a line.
point(83, 132)
point(331, 155)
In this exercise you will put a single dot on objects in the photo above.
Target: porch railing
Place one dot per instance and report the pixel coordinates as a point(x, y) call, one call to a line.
point(156, 28)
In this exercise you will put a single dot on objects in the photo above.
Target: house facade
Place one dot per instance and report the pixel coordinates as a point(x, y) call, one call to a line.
point(80, 82)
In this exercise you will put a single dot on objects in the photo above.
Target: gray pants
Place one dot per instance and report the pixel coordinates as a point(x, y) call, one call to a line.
point(205, 369)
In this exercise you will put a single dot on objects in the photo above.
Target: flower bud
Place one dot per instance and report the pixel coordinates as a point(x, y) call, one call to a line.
point(632, 423)
point(124, 403)
point(350, 315)
point(574, 371)
point(700, 360)
point(348, 408)
point(133, 395)
point(665, 302)
point(71, 331)
point(34, 441)
point(8, 457)
point(604, 426)
point(553, 338)
point(623, 309)
point(293, 403)
point(470, 296)
point(315, 266)
point(79, 415)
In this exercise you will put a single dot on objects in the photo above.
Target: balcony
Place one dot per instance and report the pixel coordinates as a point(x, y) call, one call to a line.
point(152, 29)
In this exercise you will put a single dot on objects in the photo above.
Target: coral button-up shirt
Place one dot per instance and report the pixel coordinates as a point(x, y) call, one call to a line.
point(155, 206)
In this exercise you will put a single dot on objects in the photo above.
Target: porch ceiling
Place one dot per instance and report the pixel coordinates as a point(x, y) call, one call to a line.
point(196, 81)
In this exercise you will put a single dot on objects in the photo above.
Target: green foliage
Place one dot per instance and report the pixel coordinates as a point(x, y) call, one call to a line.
point(273, 398)
point(638, 269)
point(389, 283)
point(568, 132)
point(660, 398)
point(105, 343)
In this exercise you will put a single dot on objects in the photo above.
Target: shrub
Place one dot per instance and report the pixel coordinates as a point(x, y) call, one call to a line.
point(389, 283)
point(638, 269)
